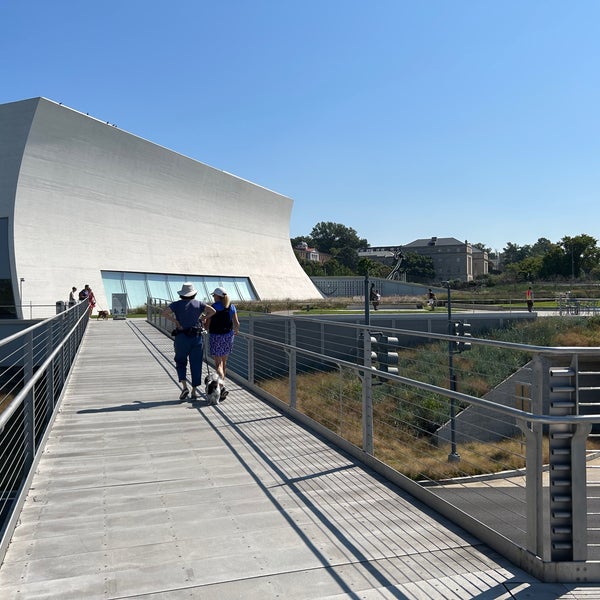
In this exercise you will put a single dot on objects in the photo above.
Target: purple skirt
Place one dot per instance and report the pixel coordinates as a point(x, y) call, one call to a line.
point(220, 344)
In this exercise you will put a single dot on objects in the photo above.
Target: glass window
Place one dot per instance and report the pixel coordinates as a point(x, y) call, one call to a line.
point(113, 284)
point(174, 283)
point(199, 285)
point(138, 286)
point(135, 288)
point(157, 286)
point(244, 289)
point(205, 290)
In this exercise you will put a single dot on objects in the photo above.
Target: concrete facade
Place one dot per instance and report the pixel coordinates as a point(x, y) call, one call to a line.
point(81, 196)
point(452, 259)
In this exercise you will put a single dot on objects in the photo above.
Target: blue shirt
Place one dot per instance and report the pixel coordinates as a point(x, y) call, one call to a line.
point(187, 312)
point(218, 305)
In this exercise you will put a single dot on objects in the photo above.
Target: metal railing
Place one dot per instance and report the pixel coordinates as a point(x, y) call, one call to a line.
point(34, 365)
point(501, 439)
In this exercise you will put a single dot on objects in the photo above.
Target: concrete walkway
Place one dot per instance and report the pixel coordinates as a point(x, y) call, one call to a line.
point(139, 495)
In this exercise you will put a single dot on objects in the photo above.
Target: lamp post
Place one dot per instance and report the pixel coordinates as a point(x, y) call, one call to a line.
point(572, 265)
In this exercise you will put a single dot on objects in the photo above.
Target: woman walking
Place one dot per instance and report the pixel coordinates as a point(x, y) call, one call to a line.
point(186, 313)
point(222, 327)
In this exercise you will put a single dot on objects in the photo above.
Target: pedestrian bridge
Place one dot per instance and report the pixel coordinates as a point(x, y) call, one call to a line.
point(139, 495)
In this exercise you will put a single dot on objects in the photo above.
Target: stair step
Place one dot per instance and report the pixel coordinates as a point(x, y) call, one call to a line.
point(561, 435)
point(562, 389)
point(559, 498)
point(560, 451)
point(562, 530)
point(561, 514)
point(561, 546)
point(561, 372)
point(560, 483)
point(561, 467)
point(562, 404)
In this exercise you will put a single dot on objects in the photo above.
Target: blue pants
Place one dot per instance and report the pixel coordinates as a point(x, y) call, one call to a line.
point(189, 348)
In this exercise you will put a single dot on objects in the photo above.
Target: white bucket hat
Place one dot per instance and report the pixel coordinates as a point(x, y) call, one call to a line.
point(219, 292)
point(187, 290)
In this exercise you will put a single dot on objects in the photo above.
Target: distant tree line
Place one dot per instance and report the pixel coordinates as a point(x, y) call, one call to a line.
point(575, 257)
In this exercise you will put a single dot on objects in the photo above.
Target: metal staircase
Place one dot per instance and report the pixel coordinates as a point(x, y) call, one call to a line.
point(573, 390)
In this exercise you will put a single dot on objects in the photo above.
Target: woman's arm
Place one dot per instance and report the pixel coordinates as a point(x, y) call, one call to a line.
point(209, 311)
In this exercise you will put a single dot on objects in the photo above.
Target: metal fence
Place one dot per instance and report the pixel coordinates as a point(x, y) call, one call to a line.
point(500, 439)
point(34, 365)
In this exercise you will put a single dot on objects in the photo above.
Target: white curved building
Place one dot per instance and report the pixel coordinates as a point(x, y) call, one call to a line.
point(82, 201)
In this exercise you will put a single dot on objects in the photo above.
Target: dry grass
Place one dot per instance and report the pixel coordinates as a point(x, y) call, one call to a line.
point(5, 401)
point(334, 400)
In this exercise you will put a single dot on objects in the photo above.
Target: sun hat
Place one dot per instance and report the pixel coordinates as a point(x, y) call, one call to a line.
point(219, 292)
point(187, 290)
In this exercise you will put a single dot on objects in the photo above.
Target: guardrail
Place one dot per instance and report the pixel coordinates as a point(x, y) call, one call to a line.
point(34, 365)
point(507, 454)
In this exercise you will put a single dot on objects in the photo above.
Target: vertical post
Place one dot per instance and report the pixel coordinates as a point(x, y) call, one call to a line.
point(292, 365)
point(50, 371)
point(367, 412)
point(579, 491)
point(534, 468)
point(367, 300)
point(453, 456)
point(251, 350)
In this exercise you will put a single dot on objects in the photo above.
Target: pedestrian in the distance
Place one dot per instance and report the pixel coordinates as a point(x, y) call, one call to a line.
point(187, 313)
point(374, 297)
point(431, 299)
point(73, 296)
point(529, 298)
point(90, 298)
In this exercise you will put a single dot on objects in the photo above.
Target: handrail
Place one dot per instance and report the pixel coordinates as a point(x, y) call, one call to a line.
point(500, 408)
point(20, 397)
point(36, 362)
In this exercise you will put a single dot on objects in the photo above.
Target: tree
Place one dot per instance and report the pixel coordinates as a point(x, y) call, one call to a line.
point(513, 253)
point(312, 268)
point(482, 247)
point(348, 257)
point(334, 268)
point(418, 268)
point(553, 262)
point(528, 269)
point(327, 236)
point(542, 246)
point(373, 268)
point(581, 253)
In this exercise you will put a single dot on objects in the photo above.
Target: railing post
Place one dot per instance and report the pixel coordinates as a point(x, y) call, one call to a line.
point(534, 492)
point(579, 490)
point(50, 373)
point(292, 363)
point(251, 350)
point(367, 395)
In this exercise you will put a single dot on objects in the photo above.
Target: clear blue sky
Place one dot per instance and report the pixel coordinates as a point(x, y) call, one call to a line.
point(478, 120)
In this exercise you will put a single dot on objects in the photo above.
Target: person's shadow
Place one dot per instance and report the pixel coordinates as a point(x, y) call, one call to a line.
point(141, 405)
